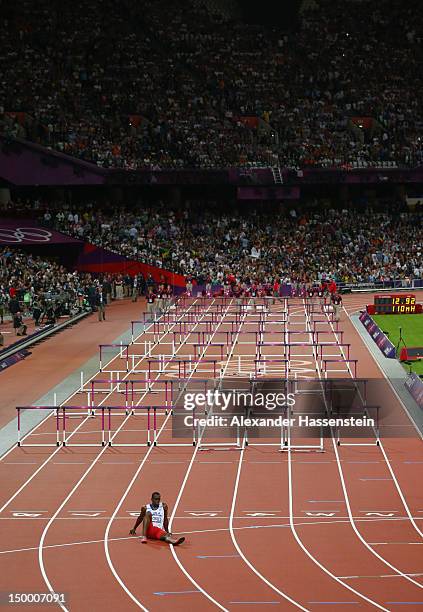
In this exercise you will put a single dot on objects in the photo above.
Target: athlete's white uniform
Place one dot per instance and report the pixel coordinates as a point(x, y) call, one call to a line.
point(157, 515)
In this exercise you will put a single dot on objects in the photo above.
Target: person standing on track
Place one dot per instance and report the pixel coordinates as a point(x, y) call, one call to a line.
point(336, 300)
point(155, 522)
point(151, 298)
point(100, 302)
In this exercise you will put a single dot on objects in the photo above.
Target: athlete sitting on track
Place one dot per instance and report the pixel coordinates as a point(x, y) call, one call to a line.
point(154, 521)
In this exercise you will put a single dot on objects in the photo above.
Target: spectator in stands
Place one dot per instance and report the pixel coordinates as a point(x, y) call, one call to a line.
point(209, 243)
point(14, 307)
point(3, 301)
point(230, 94)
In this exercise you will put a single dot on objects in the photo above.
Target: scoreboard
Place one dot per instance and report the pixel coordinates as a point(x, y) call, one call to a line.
point(402, 303)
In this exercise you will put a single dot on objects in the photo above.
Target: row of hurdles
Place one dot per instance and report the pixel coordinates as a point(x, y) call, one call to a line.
point(194, 368)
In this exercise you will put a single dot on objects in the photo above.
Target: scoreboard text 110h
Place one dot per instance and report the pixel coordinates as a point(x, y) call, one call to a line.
point(403, 303)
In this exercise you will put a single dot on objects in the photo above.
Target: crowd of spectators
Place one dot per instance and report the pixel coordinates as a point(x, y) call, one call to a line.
point(160, 84)
point(355, 243)
point(32, 286)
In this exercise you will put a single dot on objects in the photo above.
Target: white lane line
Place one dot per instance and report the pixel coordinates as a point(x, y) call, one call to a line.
point(291, 512)
point(196, 531)
point(38, 470)
point(399, 490)
point(307, 520)
point(384, 543)
point(20, 462)
point(348, 506)
point(106, 538)
point(46, 528)
point(239, 550)
point(129, 487)
point(237, 546)
point(379, 576)
point(181, 566)
point(368, 545)
point(181, 490)
point(99, 455)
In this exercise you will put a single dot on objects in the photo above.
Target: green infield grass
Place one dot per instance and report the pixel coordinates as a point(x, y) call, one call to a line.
point(412, 333)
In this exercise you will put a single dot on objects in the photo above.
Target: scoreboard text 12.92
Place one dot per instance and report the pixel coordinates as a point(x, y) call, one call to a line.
point(402, 303)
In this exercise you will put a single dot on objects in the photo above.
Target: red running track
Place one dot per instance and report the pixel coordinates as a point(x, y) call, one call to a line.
point(285, 530)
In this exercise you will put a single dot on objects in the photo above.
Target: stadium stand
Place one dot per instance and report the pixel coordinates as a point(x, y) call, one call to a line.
point(302, 244)
point(181, 86)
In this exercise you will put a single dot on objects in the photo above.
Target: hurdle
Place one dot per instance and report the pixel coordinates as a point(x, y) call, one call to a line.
point(322, 345)
point(353, 362)
point(65, 437)
point(152, 437)
point(281, 437)
point(182, 386)
point(317, 334)
point(62, 435)
point(362, 411)
point(112, 384)
point(260, 345)
point(198, 346)
point(202, 335)
point(323, 322)
point(184, 365)
point(376, 429)
point(123, 354)
point(168, 389)
point(237, 445)
point(266, 361)
point(289, 445)
point(257, 335)
point(166, 318)
point(133, 335)
point(288, 346)
point(19, 410)
point(284, 439)
point(113, 381)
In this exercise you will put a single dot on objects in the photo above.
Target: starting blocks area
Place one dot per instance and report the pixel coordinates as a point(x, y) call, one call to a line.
point(200, 346)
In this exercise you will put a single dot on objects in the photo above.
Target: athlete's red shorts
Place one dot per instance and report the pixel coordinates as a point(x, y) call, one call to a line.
point(155, 533)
